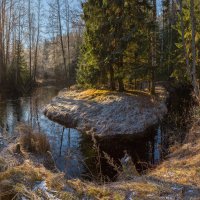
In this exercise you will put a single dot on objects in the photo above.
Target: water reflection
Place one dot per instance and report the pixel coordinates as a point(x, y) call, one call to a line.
point(74, 153)
point(64, 143)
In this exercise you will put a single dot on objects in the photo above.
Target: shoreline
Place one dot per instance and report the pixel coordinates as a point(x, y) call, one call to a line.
point(105, 113)
point(176, 177)
point(169, 180)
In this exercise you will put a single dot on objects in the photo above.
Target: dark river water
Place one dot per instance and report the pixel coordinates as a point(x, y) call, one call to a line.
point(73, 152)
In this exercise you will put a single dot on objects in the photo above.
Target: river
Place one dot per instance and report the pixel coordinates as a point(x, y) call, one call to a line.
point(74, 152)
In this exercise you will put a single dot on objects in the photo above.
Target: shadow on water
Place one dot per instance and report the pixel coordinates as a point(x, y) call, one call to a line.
point(73, 152)
point(149, 148)
point(145, 151)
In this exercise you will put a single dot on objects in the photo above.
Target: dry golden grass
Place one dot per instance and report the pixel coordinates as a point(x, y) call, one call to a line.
point(3, 165)
point(93, 94)
point(104, 95)
point(181, 168)
point(98, 94)
point(183, 164)
point(20, 180)
point(17, 179)
point(95, 191)
point(141, 189)
point(32, 141)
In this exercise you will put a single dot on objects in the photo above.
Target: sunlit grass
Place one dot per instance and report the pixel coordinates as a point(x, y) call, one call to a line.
point(20, 181)
point(33, 141)
point(93, 93)
point(183, 166)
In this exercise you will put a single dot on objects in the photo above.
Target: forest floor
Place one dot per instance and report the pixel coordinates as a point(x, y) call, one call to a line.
point(106, 113)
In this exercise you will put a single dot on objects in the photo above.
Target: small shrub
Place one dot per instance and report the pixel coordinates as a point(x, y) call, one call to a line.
point(33, 142)
point(3, 164)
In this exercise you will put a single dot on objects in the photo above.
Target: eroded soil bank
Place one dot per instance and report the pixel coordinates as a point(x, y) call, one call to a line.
point(23, 175)
point(104, 113)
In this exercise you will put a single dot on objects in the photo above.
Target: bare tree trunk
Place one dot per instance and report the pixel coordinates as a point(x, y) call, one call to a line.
point(154, 49)
point(17, 73)
point(2, 45)
point(183, 41)
point(37, 40)
point(112, 79)
point(68, 38)
point(120, 77)
point(1, 56)
point(30, 41)
point(62, 43)
point(194, 78)
point(8, 34)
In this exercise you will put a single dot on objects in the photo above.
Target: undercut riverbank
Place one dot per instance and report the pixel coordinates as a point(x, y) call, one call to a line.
point(105, 113)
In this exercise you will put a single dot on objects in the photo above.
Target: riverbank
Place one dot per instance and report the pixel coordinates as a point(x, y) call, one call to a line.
point(26, 173)
point(105, 113)
point(31, 173)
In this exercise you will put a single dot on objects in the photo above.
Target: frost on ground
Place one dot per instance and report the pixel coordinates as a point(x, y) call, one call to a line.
point(106, 113)
point(24, 176)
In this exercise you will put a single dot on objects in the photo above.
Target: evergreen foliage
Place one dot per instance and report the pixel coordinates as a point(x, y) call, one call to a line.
point(18, 73)
point(116, 43)
point(126, 42)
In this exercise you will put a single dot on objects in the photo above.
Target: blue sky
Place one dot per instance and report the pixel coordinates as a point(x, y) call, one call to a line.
point(159, 6)
point(76, 4)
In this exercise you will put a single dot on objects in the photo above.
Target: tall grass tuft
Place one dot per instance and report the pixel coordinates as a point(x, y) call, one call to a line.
point(33, 141)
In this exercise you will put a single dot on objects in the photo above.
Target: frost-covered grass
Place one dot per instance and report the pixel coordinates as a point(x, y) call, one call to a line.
point(22, 169)
point(105, 113)
point(183, 165)
point(23, 176)
point(21, 182)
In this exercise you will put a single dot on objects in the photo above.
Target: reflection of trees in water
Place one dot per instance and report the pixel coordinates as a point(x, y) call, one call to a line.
point(61, 142)
point(66, 151)
point(37, 114)
point(64, 142)
point(24, 109)
point(3, 114)
point(10, 114)
point(73, 154)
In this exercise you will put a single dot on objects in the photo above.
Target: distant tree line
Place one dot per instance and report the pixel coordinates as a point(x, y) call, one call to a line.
point(35, 40)
point(109, 43)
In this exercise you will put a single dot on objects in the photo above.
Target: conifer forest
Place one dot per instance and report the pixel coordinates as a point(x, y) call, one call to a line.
point(99, 99)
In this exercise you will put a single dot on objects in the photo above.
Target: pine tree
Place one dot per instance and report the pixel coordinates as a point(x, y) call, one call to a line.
point(112, 37)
